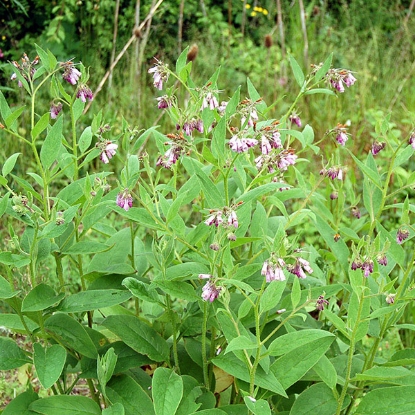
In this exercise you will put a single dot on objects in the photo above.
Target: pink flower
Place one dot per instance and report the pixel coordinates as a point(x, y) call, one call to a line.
point(124, 200)
point(337, 84)
point(84, 93)
point(265, 145)
point(382, 260)
point(55, 109)
point(295, 119)
point(349, 79)
point(164, 102)
point(70, 74)
point(233, 219)
point(209, 101)
point(321, 302)
point(241, 145)
point(215, 219)
point(367, 267)
point(412, 140)
point(108, 150)
point(341, 138)
point(401, 235)
point(286, 158)
point(297, 268)
point(377, 146)
point(210, 292)
point(273, 270)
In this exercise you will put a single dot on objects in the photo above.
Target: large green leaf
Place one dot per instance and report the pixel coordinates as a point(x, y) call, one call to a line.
point(257, 407)
point(65, 405)
point(388, 401)
point(14, 323)
point(9, 164)
point(178, 289)
point(167, 389)
point(297, 71)
point(49, 363)
point(232, 365)
point(116, 409)
point(41, 297)
point(317, 399)
point(293, 365)
point(6, 290)
point(20, 404)
point(11, 356)
point(72, 334)
point(139, 336)
point(93, 299)
point(51, 145)
point(126, 391)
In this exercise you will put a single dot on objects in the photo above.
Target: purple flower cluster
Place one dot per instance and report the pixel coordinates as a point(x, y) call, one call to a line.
point(295, 119)
point(273, 270)
point(321, 302)
point(160, 74)
point(210, 292)
point(335, 172)
point(336, 78)
point(125, 200)
point(401, 235)
point(178, 147)
point(300, 267)
point(189, 126)
point(412, 140)
point(225, 217)
point(108, 150)
point(55, 109)
point(274, 161)
point(70, 73)
point(164, 102)
point(240, 144)
point(209, 101)
point(377, 147)
point(26, 69)
point(84, 93)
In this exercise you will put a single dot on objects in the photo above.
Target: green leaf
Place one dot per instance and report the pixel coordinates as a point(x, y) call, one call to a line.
point(4, 107)
point(326, 371)
point(50, 147)
point(85, 139)
point(141, 216)
point(178, 289)
point(126, 391)
point(258, 191)
point(14, 323)
point(85, 248)
point(66, 405)
point(233, 103)
point(295, 292)
point(41, 125)
point(141, 290)
point(271, 296)
point(218, 140)
point(324, 91)
point(258, 407)
point(232, 365)
point(6, 290)
point(116, 409)
point(293, 365)
point(181, 61)
point(11, 356)
point(20, 404)
point(72, 334)
point(254, 95)
point(41, 297)
point(8, 165)
point(105, 368)
point(43, 55)
point(321, 73)
point(388, 401)
point(317, 399)
point(139, 336)
point(93, 300)
point(10, 120)
point(167, 389)
point(297, 71)
point(337, 322)
point(370, 173)
point(49, 363)
point(291, 341)
point(240, 343)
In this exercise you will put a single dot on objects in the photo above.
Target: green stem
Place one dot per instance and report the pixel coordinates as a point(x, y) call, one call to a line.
point(204, 349)
point(74, 144)
point(174, 335)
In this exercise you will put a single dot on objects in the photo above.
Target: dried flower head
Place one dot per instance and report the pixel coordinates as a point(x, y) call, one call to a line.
point(192, 54)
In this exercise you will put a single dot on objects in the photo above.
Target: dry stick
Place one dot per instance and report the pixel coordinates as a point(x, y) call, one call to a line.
point(114, 39)
point(304, 30)
point(124, 49)
point(144, 41)
point(408, 15)
point(180, 28)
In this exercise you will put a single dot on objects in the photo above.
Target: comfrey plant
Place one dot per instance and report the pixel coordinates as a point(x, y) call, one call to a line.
point(237, 271)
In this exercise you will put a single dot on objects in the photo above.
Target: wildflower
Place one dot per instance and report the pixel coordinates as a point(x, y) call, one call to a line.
point(333, 172)
point(164, 102)
point(356, 212)
point(215, 219)
point(108, 150)
point(84, 93)
point(70, 74)
point(273, 270)
point(297, 268)
point(356, 264)
point(334, 195)
point(349, 79)
point(390, 298)
point(170, 157)
point(377, 146)
point(367, 267)
point(233, 219)
point(222, 107)
point(286, 158)
point(337, 84)
point(13, 77)
point(401, 235)
point(231, 237)
point(265, 145)
point(341, 138)
point(188, 128)
point(276, 139)
point(124, 200)
point(382, 260)
point(321, 302)
point(210, 292)
point(209, 101)
point(295, 119)
point(214, 247)
point(336, 77)
point(412, 140)
point(160, 74)
point(241, 145)
point(55, 109)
